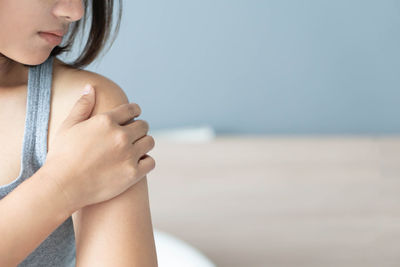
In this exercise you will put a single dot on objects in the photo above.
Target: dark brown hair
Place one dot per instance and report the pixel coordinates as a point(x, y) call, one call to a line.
point(101, 24)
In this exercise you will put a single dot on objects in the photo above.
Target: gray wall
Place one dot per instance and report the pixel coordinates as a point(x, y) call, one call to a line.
point(261, 67)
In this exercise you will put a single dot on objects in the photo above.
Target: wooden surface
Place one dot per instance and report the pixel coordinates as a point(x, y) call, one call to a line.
point(281, 201)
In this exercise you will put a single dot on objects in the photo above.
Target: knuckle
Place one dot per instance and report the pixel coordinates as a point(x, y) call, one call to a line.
point(121, 138)
point(129, 171)
point(140, 124)
point(85, 101)
point(104, 119)
point(132, 109)
point(132, 171)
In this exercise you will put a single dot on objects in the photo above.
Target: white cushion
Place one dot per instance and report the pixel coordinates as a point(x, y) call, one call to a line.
point(173, 252)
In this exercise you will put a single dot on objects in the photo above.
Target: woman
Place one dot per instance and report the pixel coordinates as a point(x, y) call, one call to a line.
point(80, 196)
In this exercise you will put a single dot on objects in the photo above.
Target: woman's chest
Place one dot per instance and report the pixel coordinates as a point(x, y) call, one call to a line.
point(12, 121)
point(12, 126)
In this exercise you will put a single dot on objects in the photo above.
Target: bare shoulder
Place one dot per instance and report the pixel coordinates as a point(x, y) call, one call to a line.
point(67, 86)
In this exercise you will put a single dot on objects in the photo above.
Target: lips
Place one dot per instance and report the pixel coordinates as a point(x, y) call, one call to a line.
point(51, 38)
point(59, 33)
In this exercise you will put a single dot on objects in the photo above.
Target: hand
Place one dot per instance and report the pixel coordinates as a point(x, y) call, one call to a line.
point(95, 159)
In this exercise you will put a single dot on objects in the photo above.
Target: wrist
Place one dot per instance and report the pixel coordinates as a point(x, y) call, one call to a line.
point(56, 187)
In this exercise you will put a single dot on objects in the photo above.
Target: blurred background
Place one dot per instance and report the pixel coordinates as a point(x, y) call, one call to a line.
point(276, 126)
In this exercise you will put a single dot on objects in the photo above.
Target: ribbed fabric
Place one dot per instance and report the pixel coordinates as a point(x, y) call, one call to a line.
point(58, 249)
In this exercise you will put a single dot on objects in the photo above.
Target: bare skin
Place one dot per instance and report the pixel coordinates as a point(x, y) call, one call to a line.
point(126, 218)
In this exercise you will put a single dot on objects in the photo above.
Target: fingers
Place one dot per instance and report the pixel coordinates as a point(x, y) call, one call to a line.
point(124, 113)
point(146, 164)
point(143, 146)
point(136, 129)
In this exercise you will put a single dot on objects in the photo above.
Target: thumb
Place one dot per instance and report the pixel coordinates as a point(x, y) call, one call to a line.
point(82, 108)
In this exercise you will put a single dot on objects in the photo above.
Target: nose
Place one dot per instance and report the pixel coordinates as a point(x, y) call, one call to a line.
point(69, 10)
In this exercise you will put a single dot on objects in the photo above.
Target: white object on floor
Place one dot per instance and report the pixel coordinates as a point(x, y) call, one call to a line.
point(186, 134)
point(173, 252)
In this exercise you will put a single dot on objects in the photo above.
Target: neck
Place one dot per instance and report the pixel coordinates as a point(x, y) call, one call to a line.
point(10, 72)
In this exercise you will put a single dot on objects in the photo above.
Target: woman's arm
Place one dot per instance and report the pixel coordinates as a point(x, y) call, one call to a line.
point(117, 232)
point(28, 215)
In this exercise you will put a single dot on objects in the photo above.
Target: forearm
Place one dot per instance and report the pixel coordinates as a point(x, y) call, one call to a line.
point(29, 214)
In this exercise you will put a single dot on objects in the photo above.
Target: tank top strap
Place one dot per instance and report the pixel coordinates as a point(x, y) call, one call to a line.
point(38, 112)
point(34, 144)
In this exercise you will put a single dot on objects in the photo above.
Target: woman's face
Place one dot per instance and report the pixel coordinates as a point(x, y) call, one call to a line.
point(22, 20)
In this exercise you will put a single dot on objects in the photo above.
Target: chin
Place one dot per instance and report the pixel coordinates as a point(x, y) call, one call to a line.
point(32, 58)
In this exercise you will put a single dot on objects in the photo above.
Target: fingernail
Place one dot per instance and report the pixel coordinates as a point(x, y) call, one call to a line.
point(87, 89)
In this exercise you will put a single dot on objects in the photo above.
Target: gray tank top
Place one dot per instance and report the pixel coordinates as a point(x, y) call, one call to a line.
point(58, 249)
